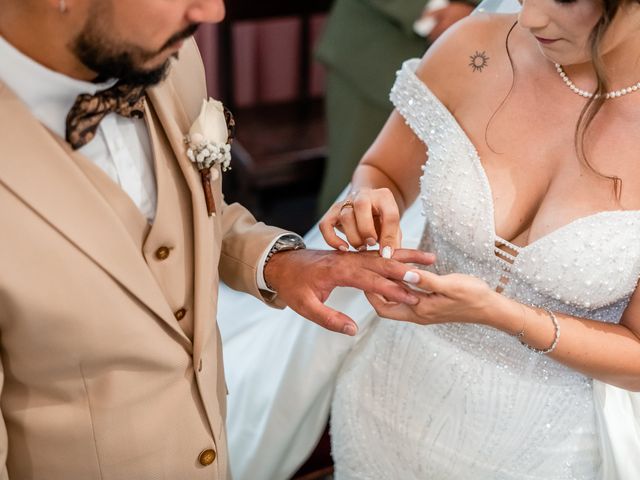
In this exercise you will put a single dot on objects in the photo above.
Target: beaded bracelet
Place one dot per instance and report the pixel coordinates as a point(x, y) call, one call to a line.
point(520, 334)
point(554, 344)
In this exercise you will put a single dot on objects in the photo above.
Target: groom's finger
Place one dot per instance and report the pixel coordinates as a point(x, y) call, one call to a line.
point(316, 311)
point(377, 277)
point(371, 273)
point(418, 257)
point(394, 269)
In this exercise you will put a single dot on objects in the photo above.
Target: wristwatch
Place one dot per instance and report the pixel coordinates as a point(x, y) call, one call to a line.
point(283, 244)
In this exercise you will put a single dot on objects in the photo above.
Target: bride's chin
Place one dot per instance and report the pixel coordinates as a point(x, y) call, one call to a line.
point(564, 60)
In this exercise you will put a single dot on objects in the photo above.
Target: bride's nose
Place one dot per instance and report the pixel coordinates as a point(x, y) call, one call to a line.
point(534, 15)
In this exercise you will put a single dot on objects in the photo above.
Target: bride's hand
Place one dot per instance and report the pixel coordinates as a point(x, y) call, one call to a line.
point(367, 217)
point(454, 298)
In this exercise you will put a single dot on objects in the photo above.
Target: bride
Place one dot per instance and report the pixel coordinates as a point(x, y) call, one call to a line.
point(537, 239)
point(529, 318)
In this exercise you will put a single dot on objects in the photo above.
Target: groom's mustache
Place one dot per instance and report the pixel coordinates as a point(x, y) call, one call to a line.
point(181, 35)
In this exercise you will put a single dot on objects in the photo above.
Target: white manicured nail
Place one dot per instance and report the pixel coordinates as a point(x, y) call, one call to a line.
point(386, 252)
point(342, 248)
point(411, 277)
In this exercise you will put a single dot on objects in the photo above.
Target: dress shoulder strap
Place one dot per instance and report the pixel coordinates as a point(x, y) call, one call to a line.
point(423, 112)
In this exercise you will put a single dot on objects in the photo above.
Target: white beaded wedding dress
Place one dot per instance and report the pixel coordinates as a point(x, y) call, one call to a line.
point(464, 401)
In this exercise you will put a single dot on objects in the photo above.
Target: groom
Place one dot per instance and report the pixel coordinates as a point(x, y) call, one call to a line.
point(114, 242)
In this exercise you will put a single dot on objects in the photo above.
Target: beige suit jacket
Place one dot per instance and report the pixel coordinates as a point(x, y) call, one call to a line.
point(100, 380)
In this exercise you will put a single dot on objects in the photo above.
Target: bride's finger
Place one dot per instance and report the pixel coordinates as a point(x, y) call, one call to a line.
point(350, 227)
point(328, 226)
point(424, 280)
point(364, 220)
point(389, 220)
point(392, 310)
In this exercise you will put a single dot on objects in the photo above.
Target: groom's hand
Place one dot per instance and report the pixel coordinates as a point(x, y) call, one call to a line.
point(304, 279)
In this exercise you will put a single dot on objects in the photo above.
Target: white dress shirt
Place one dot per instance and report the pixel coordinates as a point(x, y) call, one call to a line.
point(121, 147)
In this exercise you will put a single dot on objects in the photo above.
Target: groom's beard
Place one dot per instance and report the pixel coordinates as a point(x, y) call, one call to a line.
point(111, 58)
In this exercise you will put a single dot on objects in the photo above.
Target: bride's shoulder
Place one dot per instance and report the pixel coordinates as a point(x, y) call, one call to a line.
point(469, 55)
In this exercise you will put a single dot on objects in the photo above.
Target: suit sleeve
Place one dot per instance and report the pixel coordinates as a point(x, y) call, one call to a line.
point(244, 242)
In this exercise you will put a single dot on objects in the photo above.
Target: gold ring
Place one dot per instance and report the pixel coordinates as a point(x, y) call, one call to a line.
point(346, 204)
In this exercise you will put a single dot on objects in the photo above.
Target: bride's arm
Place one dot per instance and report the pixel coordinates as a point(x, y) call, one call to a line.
point(395, 158)
point(393, 162)
point(386, 182)
point(607, 352)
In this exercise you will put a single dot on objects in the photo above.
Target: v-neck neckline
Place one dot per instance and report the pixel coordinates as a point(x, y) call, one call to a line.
point(487, 190)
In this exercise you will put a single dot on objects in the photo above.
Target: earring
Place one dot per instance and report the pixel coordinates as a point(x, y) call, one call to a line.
point(62, 6)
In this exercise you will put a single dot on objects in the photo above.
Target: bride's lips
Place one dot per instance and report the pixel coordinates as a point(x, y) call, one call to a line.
point(546, 41)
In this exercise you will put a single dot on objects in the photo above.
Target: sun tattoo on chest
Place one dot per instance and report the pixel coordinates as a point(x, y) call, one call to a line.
point(479, 60)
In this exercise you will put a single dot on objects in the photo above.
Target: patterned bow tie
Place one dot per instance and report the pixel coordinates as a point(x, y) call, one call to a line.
point(89, 110)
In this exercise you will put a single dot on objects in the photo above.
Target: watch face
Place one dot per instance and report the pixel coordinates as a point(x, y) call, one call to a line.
point(290, 241)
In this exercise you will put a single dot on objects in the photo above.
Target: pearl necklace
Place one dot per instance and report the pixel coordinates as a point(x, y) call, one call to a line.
point(584, 93)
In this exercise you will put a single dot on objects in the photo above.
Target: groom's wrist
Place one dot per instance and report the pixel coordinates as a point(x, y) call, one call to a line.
point(285, 243)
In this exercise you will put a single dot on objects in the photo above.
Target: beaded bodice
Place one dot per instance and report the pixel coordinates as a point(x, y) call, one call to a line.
point(588, 268)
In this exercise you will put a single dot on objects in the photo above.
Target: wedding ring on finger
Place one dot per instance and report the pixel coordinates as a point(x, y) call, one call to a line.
point(346, 204)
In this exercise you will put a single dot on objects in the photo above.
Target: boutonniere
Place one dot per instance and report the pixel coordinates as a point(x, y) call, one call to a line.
point(209, 144)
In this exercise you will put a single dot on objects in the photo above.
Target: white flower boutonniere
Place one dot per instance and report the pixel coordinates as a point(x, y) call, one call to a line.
point(209, 144)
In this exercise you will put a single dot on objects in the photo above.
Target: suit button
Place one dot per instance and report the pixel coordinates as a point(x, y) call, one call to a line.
point(207, 457)
point(162, 253)
point(180, 314)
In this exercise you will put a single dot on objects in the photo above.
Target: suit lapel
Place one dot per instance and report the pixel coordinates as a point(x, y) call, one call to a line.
point(176, 124)
point(37, 170)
